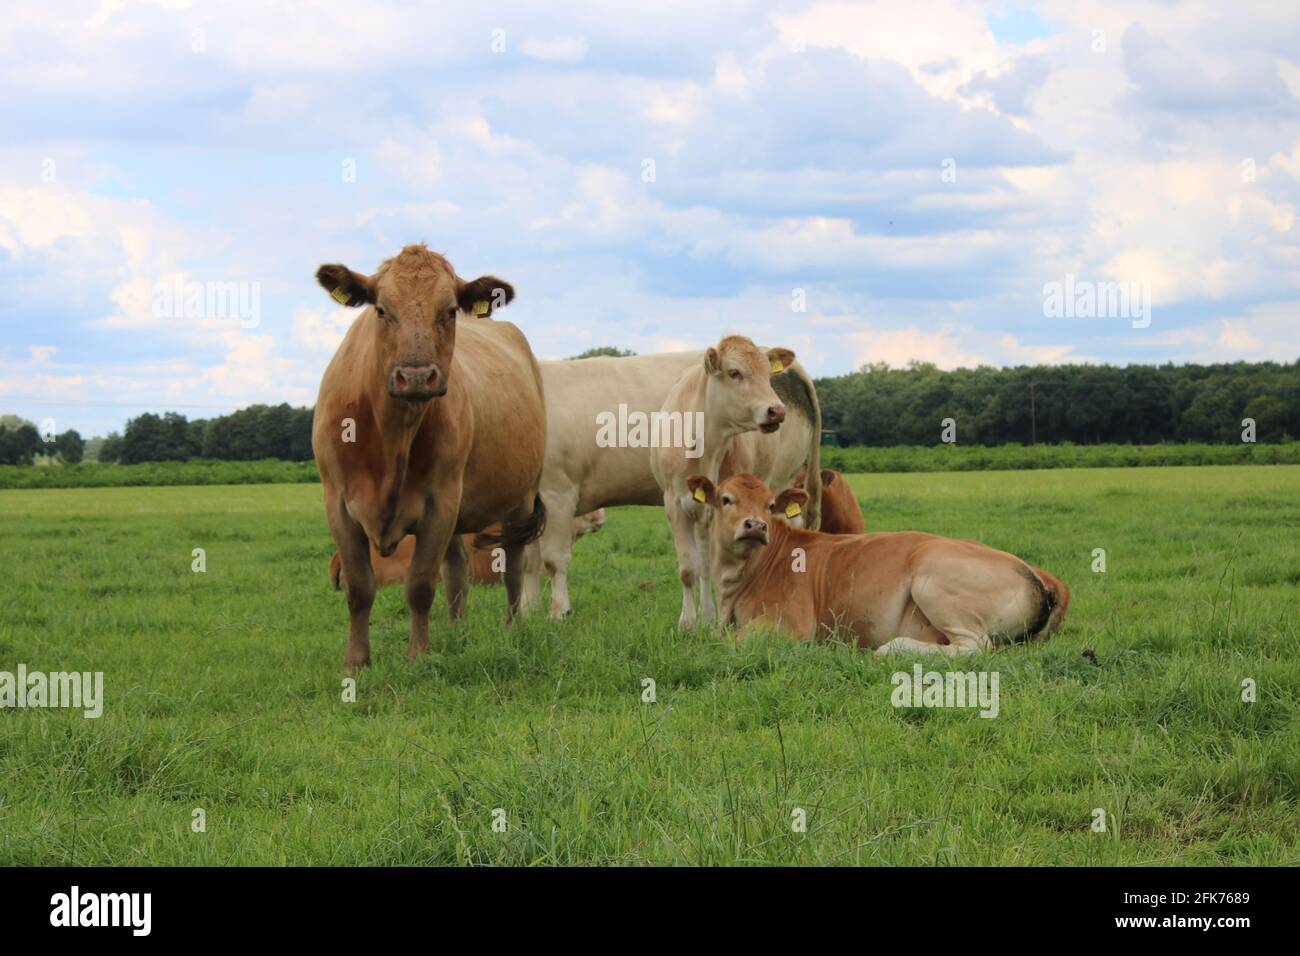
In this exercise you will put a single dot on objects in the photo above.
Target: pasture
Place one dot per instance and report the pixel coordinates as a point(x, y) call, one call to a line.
point(223, 694)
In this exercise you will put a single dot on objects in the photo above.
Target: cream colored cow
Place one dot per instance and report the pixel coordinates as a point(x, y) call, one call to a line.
point(582, 472)
point(760, 415)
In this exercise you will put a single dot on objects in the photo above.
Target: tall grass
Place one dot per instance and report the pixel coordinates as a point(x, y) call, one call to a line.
point(222, 693)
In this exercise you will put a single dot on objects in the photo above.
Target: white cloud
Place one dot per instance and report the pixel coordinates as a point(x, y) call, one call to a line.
point(775, 169)
point(321, 329)
point(556, 48)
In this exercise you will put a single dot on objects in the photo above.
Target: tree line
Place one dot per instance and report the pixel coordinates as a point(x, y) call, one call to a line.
point(250, 434)
point(1084, 404)
point(21, 443)
point(876, 406)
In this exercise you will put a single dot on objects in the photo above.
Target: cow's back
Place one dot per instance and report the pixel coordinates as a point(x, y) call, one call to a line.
point(579, 390)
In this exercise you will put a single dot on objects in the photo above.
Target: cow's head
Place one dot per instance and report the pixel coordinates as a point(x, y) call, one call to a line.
point(739, 396)
point(743, 511)
point(417, 297)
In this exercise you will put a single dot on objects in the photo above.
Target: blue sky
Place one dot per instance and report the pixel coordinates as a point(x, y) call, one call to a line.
point(913, 172)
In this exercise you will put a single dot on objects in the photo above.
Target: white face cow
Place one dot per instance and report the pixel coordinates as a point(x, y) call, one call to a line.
point(738, 387)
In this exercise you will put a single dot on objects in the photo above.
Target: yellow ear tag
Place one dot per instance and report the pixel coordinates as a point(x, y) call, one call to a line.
point(792, 510)
point(481, 307)
point(777, 366)
point(699, 495)
point(340, 296)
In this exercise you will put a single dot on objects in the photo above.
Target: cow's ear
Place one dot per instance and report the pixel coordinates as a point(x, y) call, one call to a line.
point(790, 503)
point(828, 476)
point(780, 359)
point(702, 489)
point(345, 286)
point(484, 295)
point(712, 364)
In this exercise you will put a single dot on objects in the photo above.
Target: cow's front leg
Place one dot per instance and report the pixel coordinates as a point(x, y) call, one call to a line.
point(683, 538)
point(532, 599)
point(359, 577)
point(432, 538)
point(701, 536)
point(556, 547)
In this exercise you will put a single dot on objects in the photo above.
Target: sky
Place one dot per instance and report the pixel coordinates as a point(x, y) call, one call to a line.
point(859, 182)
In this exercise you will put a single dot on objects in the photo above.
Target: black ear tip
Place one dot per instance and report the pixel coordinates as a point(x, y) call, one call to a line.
point(506, 289)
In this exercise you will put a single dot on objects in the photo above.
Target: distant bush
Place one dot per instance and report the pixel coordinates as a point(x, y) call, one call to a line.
point(1019, 457)
point(197, 471)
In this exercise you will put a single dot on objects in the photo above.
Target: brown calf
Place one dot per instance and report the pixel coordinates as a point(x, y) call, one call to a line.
point(841, 513)
point(896, 591)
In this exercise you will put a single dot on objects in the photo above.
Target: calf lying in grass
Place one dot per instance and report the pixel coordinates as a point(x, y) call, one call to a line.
point(484, 566)
point(892, 591)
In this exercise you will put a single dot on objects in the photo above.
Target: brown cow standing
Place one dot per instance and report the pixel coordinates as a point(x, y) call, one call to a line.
point(429, 426)
point(893, 591)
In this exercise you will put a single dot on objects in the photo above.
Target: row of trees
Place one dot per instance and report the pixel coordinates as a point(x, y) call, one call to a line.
point(1084, 404)
point(259, 431)
point(877, 406)
point(21, 443)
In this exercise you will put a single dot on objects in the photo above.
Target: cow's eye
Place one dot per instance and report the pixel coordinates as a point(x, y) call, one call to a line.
point(735, 375)
point(379, 310)
point(451, 314)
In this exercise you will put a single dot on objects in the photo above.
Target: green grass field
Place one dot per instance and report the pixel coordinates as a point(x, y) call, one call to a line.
point(223, 693)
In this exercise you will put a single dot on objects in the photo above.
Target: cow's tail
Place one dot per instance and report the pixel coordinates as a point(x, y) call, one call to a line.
point(336, 572)
point(516, 534)
point(1059, 595)
point(1055, 600)
point(812, 481)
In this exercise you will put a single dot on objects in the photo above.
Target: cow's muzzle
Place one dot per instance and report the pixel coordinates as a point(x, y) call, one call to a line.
point(772, 419)
point(417, 383)
point(752, 529)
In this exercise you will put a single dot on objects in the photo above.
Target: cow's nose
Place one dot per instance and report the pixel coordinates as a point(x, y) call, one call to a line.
point(776, 413)
point(417, 381)
point(755, 525)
